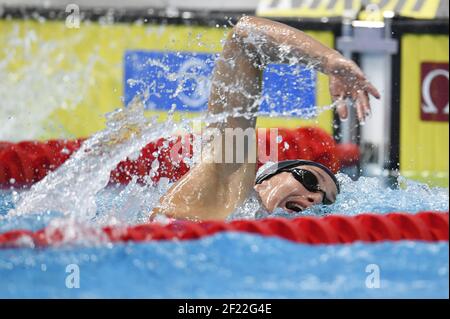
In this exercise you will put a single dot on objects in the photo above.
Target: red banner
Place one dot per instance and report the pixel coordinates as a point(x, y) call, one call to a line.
point(434, 92)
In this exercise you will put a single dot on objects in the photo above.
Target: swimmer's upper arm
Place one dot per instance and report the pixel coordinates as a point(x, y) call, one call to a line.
point(214, 190)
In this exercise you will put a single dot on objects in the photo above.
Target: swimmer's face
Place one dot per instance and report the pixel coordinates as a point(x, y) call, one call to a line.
point(284, 191)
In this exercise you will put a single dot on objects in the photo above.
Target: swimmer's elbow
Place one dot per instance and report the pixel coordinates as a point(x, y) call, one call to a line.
point(243, 28)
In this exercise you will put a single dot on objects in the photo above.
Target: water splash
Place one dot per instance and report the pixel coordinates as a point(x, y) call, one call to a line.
point(370, 194)
point(78, 188)
point(32, 92)
point(72, 188)
point(128, 205)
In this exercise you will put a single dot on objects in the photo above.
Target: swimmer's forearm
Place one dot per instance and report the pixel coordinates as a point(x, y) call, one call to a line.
point(236, 85)
point(268, 41)
point(250, 46)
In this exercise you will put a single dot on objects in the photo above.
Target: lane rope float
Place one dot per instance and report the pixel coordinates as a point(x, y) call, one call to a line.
point(27, 162)
point(332, 229)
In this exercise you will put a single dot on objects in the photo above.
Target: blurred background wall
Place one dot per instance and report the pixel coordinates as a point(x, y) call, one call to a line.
point(58, 80)
point(182, 4)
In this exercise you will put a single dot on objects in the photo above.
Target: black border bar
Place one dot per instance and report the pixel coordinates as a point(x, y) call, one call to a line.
point(280, 308)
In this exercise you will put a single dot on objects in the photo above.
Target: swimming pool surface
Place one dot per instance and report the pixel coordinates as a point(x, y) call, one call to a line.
point(226, 265)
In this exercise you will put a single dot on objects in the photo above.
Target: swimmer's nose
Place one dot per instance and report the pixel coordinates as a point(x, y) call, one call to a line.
point(314, 198)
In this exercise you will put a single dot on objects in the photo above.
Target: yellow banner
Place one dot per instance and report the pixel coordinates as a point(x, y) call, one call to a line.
point(365, 9)
point(424, 131)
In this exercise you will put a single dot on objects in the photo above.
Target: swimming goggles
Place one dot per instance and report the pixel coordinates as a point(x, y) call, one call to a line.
point(303, 176)
point(309, 181)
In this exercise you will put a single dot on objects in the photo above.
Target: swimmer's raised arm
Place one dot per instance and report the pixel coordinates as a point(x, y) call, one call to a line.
point(255, 42)
point(214, 190)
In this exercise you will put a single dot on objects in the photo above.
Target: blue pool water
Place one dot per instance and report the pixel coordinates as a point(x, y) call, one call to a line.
point(231, 265)
point(228, 266)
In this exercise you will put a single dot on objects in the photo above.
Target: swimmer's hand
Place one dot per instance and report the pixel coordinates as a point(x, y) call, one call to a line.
point(347, 81)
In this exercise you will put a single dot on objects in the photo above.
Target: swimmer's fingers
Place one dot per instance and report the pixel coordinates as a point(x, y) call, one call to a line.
point(341, 107)
point(365, 84)
point(361, 103)
point(359, 110)
point(372, 90)
point(338, 91)
point(363, 99)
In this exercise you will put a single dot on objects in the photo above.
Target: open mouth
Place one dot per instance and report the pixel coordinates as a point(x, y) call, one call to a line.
point(293, 206)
